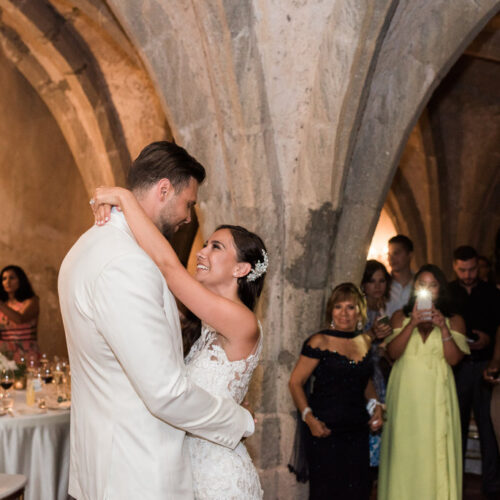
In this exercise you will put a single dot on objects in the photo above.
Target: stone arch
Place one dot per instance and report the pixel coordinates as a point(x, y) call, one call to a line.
point(220, 71)
point(414, 209)
point(405, 75)
point(449, 158)
point(59, 65)
point(407, 209)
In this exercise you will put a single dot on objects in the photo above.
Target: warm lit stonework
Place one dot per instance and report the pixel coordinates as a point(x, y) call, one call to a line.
point(309, 117)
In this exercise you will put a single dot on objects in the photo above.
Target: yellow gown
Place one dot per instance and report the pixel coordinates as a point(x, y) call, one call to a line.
point(421, 451)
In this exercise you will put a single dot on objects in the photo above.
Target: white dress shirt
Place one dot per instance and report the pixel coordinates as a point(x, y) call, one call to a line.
point(400, 295)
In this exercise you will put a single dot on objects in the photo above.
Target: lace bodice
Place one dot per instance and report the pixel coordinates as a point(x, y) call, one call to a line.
point(220, 473)
point(209, 367)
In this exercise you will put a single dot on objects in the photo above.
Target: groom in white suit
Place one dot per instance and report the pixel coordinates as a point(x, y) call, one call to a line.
point(131, 399)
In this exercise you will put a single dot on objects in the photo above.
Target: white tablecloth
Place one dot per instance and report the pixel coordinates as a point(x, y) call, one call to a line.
point(38, 447)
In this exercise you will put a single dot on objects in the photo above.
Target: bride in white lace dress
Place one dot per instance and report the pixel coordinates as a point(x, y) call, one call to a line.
point(218, 472)
point(229, 278)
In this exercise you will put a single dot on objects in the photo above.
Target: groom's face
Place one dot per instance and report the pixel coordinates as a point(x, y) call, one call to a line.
point(177, 208)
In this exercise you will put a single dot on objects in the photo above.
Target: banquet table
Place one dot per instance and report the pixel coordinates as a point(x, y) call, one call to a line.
point(36, 444)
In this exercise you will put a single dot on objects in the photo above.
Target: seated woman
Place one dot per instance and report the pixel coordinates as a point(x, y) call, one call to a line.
point(336, 413)
point(421, 453)
point(18, 315)
point(376, 285)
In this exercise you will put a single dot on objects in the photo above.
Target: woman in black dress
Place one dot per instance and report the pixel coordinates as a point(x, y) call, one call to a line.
point(336, 413)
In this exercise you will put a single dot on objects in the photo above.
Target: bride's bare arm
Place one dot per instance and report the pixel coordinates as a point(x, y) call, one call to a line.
point(229, 318)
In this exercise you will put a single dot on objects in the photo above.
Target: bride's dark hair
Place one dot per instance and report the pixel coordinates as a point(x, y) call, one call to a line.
point(249, 248)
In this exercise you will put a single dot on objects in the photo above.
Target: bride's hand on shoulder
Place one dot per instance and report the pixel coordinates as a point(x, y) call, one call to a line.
point(104, 199)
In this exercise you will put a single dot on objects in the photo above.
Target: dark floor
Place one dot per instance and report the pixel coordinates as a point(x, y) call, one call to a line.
point(472, 489)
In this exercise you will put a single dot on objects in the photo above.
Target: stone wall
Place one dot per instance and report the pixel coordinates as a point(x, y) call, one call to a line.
point(301, 113)
point(445, 191)
point(299, 110)
point(43, 202)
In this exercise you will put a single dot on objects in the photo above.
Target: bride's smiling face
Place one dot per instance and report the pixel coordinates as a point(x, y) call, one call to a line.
point(217, 262)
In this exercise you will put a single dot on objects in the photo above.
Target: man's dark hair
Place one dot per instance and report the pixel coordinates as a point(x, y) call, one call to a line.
point(465, 252)
point(404, 241)
point(164, 160)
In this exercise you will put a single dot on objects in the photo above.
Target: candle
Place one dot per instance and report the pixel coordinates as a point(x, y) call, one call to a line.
point(19, 384)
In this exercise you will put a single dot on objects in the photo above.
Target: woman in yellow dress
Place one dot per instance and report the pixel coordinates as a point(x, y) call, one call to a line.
point(421, 454)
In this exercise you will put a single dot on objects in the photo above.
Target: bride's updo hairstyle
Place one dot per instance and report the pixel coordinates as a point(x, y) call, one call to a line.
point(249, 248)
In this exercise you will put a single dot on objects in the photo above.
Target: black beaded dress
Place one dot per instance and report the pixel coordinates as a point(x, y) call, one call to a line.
point(339, 465)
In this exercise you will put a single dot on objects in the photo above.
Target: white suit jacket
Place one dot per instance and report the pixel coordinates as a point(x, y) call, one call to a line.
point(131, 399)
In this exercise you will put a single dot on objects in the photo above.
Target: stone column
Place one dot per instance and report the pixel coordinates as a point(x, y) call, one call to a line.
point(299, 112)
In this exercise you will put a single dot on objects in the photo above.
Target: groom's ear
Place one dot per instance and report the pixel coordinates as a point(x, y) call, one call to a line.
point(164, 189)
point(241, 269)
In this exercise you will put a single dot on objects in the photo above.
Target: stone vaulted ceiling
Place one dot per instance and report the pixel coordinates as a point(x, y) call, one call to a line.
point(300, 112)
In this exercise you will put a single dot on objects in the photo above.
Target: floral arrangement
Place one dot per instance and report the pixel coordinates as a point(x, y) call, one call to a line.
point(6, 364)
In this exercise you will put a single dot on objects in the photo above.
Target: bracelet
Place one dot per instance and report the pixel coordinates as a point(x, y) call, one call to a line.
point(305, 411)
point(371, 405)
point(447, 338)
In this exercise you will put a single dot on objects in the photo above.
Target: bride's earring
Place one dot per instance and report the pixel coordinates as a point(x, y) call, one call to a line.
point(332, 325)
point(359, 325)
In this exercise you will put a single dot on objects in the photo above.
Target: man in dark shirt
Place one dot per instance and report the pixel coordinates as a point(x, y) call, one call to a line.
point(478, 303)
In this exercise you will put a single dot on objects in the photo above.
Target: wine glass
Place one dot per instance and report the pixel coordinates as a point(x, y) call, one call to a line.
point(65, 365)
point(47, 375)
point(44, 360)
point(6, 380)
point(32, 365)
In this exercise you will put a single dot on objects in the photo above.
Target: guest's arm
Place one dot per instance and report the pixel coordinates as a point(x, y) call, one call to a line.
point(396, 347)
point(451, 351)
point(29, 311)
point(380, 330)
point(376, 420)
point(300, 374)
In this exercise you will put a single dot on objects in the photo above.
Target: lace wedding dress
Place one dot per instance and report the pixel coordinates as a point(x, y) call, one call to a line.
point(220, 473)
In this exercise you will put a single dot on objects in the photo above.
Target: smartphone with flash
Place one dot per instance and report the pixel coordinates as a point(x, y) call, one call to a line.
point(424, 302)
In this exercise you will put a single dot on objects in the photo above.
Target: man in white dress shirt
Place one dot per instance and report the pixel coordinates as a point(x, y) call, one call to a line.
point(400, 255)
point(131, 399)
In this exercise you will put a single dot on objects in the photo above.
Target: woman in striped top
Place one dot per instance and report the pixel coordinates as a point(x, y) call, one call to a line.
point(19, 310)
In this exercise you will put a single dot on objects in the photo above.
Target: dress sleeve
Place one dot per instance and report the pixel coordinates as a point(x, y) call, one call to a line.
point(396, 332)
point(459, 339)
point(311, 352)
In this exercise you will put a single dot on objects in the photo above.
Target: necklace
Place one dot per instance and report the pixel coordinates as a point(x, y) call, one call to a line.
point(338, 333)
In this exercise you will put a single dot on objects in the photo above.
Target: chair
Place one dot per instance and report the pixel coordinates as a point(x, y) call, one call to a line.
point(12, 486)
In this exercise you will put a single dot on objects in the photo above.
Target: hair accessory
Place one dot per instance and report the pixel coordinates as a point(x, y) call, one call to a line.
point(259, 269)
